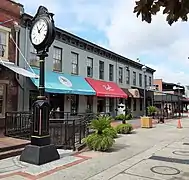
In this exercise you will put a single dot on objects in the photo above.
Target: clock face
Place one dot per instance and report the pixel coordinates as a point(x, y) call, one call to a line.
point(39, 32)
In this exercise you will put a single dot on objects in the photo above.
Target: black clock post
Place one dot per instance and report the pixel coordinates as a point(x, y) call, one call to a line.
point(41, 151)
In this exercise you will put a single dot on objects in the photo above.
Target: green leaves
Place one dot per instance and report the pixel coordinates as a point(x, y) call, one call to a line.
point(124, 128)
point(175, 9)
point(103, 138)
point(100, 124)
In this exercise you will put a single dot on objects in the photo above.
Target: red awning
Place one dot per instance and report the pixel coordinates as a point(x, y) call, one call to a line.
point(106, 89)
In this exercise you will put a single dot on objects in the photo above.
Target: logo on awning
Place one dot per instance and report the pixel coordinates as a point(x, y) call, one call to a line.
point(107, 87)
point(65, 81)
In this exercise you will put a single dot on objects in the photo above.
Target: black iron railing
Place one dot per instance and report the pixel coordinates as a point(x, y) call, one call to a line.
point(65, 132)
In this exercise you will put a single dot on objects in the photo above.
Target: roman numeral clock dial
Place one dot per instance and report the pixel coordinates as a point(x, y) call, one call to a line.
point(39, 32)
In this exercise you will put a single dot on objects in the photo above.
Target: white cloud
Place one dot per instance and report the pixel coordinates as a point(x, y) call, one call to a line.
point(170, 76)
point(126, 34)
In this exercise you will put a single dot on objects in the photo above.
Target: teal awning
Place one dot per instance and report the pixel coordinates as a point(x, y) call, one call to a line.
point(64, 83)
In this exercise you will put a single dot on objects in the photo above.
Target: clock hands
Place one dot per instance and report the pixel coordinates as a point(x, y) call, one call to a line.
point(41, 28)
point(38, 29)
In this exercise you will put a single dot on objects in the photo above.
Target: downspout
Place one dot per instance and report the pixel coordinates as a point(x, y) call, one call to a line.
point(17, 29)
point(25, 55)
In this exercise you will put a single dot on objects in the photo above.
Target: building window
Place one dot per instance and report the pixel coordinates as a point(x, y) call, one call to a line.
point(57, 59)
point(111, 72)
point(145, 80)
point(134, 104)
point(141, 104)
point(74, 104)
point(74, 59)
point(101, 70)
point(89, 104)
point(127, 76)
point(134, 78)
point(34, 59)
point(140, 80)
point(150, 81)
point(111, 105)
point(3, 43)
point(120, 75)
point(2, 99)
point(89, 67)
point(157, 87)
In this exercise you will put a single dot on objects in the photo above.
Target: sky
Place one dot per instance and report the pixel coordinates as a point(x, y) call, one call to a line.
point(112, 25)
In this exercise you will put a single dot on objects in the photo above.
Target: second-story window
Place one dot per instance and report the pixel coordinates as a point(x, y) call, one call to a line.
point(101, 70)
point(134, 78)
point(75, 57)
point(111, 72)
point(57, 59)
point(145, 80)
point(120, 75)
point(34, 59)
point(150, 81)
point(127, 76)
point(140, 80)
point(89, 67)
point(3, 43)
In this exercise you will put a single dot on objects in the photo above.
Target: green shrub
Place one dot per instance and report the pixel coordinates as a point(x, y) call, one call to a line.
point(99, 142)
point(151, 110)
point(124, 128)
point(103, 137)
point(123, 117)
point(120, 117)
point(111, 131)
point(129, 117)
point(100, 124)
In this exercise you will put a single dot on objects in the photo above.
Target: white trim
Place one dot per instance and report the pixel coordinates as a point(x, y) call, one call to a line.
point(3, 28)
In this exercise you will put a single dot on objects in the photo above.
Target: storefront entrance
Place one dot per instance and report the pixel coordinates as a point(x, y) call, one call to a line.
point(101, 104)
point(56, 101)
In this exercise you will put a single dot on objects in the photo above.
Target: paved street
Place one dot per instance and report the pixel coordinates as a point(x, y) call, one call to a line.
point(157, 154)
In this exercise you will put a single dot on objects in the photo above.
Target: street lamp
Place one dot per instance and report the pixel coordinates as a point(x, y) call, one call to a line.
point(144, 71)
point(178, 88)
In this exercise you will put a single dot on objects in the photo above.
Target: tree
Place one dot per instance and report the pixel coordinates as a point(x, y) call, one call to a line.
point(175, 9)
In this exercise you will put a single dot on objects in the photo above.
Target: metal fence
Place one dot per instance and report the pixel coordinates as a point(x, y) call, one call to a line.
point(65, 131)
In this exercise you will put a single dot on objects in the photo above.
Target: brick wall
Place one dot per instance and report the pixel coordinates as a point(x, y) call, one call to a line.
point(159, 83)
point(10, 10)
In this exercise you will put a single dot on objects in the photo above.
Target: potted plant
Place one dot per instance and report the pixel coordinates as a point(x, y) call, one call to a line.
point(151, 111)
point(146, 121)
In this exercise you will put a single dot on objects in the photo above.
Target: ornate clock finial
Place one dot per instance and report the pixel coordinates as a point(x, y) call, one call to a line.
point(41, 11)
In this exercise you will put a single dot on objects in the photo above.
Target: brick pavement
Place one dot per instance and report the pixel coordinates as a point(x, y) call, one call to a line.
point(91, 162)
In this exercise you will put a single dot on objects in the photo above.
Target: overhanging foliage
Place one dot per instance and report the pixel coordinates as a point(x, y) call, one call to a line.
point(175, 9)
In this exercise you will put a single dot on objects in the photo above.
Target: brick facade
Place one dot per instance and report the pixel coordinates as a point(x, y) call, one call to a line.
point(10, 10)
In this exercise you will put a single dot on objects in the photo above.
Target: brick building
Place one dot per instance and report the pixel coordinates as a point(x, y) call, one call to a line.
point(10, 13)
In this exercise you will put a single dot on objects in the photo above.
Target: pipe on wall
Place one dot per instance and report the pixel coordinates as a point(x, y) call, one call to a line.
point(25, 55)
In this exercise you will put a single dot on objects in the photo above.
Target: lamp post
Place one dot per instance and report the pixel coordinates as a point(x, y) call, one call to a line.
point(144, 72)
point(41, 151)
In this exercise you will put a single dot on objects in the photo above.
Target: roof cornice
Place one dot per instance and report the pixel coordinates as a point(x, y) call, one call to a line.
point(83, 44)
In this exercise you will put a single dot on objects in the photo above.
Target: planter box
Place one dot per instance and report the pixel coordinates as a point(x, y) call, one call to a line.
point(146, 122)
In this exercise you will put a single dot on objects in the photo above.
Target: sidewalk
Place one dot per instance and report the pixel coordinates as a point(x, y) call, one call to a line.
point(156, 153)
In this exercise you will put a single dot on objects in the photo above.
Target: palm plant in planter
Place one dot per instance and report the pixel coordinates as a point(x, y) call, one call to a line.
point(103, 137)
point(152, 110)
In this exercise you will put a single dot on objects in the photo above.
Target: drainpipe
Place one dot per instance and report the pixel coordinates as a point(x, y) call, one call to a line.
point(17, 29)
point(25, 55)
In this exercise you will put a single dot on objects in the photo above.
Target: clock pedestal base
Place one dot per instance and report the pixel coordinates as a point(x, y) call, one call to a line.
point(39, 155)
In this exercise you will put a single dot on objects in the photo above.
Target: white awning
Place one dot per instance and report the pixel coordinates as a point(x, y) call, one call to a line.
point(18, 69)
